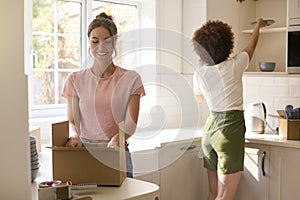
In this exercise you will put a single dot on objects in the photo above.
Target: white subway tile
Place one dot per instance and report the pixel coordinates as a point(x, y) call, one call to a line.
point(280, 103)
point(295, 91)
point(268, 101)
point(282, 81)
point(274, 91)
point(259, 80)
point(250, 81)
point(294, 81)
point(249, 99)
point(251, 91)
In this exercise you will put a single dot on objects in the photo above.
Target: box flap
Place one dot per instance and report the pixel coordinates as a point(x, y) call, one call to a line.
point(275, 116)
point(280, 113)
point(89, 149)
point(60, 133)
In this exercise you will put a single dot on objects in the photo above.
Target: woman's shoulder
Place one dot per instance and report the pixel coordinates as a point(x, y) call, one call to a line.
point(241, 55)
point(123, 71)
point(78, 74)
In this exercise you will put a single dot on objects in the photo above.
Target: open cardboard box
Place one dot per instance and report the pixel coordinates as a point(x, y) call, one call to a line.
point(91, 164)
point(288, 128)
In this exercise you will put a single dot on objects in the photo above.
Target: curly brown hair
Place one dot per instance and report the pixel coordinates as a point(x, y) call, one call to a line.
point(213, 42)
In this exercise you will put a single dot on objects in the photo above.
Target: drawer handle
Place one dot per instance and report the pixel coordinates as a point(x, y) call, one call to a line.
point(188, 148)
point(263, 163)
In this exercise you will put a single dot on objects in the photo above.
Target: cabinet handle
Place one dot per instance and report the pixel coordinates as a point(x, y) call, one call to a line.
point(263, 163)
point(188, 148)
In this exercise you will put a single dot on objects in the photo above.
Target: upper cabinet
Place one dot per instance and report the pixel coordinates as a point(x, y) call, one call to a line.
point(188, 15)
point(294, 12)
point(194, 14)
point(272, 45)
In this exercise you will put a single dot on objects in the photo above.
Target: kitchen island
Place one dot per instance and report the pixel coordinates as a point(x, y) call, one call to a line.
point(130, 189)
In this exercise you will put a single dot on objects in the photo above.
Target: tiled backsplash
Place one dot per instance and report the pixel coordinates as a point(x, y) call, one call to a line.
point(276, 90)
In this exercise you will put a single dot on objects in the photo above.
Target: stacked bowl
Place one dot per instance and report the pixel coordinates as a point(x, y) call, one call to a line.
point(35, 164)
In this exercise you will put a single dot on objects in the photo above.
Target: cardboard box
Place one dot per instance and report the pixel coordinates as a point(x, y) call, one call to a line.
point(92, 164)
point(288, 128)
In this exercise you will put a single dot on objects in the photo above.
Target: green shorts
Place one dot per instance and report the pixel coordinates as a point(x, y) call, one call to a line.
point(223, 142)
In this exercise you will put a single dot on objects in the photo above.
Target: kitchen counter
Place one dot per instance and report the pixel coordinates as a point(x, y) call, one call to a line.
point(149, 140)
point(270, 138)
point(130, 189)
point(154, 140)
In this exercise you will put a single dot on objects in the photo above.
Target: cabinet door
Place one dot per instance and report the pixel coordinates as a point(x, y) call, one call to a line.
point(182, 178)
point(294, 9)
point(284, 173)
point(254, 180)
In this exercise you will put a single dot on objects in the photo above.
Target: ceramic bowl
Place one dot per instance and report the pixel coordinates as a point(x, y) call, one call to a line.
point(267, 66)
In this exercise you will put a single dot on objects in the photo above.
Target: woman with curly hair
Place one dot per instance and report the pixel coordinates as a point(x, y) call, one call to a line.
point(218, 80)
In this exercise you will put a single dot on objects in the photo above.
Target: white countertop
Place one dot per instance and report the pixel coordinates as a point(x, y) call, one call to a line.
point(152, 140)
point(149, 140)
point(270, 138)
point(130, 189)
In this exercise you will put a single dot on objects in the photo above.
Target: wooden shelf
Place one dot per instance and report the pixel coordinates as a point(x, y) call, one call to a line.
point(267, 30)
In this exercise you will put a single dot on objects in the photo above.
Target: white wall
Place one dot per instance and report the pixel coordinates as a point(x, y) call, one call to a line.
point(176, 60)
point(14, 143)
point(276, 91)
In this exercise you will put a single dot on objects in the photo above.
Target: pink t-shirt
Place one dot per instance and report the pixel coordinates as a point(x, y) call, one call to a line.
point(102, 101)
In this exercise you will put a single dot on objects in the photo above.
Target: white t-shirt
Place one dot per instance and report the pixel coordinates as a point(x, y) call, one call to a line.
point(221, 84)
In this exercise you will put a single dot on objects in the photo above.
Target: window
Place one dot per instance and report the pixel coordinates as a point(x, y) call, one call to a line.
point(57, 50)
point(59, 46)
point(126, 19)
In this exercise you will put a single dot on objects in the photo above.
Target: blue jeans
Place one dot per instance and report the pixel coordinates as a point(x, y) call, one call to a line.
point(129, 166)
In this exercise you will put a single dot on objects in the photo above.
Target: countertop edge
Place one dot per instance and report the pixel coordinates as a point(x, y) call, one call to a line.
point(268, 138)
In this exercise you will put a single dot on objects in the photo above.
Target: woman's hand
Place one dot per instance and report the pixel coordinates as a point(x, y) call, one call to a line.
point(114, 142)
point(74, 142)
point(260, 23)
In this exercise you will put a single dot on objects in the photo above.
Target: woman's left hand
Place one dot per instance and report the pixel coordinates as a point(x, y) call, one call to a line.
point(114, 142)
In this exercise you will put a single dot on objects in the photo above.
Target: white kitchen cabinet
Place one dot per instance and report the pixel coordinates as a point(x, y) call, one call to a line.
point(284, 173)
point(272, 46)
point(254, 183)
point(294, 12)
point(194, 14)
point(182, 175)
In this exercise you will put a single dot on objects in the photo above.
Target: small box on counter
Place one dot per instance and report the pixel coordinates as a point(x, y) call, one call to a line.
point(54, 191)
point(288, 128)
point(90, 164)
